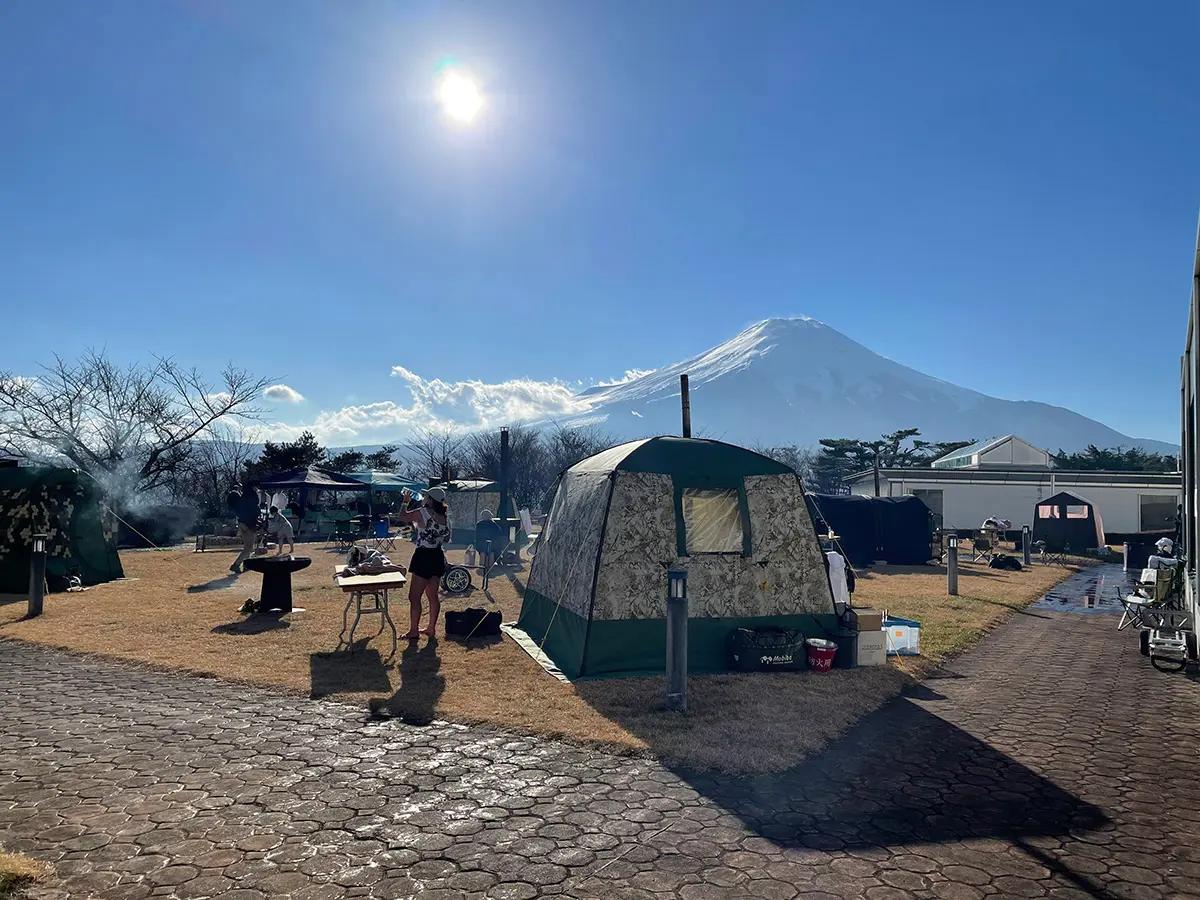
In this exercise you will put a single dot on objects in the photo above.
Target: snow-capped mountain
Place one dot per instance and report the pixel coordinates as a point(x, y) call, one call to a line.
point(794, 381)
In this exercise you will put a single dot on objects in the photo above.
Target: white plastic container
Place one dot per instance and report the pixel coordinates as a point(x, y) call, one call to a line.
point(903, 636)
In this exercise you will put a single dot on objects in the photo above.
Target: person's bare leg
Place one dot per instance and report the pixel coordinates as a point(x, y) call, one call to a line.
point(416, 587)
point(435, 607)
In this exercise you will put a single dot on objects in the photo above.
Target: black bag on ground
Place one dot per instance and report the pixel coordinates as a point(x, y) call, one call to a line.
point(472, 623)
point(1009, 563)
point(765, 650)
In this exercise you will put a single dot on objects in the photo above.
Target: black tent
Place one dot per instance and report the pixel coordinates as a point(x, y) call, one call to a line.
point(904, 530)
point(1067, 521)
point(314, 478)
point(898, 530)
point(853, 521)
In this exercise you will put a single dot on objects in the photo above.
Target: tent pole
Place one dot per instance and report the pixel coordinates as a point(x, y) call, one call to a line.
point(504, 467)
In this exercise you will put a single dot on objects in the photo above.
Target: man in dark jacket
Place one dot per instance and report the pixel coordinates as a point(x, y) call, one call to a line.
point(248, 513)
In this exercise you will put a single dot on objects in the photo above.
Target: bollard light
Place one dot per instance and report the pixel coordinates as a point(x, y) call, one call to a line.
point(37, 576)
point(677, 584)
point(677, 643)
point(953, 542)
point(39, 543)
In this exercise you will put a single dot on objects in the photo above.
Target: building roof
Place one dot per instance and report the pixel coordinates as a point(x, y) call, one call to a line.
point(1018, 475)
point(971, 449)
point(681, 456)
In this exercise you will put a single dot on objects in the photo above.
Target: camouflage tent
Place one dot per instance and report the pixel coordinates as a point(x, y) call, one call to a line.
point(65, 505)
point(735, 520)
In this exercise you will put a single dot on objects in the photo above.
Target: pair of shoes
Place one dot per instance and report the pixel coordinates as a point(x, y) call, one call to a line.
point(235, 569)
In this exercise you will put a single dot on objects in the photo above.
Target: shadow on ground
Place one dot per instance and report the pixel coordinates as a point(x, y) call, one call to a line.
point(421, 684)
point(258, 623)
point(217, 584)
point(358, 669)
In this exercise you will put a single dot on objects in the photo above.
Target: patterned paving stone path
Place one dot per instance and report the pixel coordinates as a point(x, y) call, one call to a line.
point(1051, 761)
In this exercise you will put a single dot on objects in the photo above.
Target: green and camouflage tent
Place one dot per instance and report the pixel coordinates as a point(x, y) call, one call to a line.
point(65, 505)
point(736, 521)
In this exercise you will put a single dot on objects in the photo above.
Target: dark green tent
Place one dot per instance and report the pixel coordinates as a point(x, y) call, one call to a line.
point(65, 505)
point(734, 520)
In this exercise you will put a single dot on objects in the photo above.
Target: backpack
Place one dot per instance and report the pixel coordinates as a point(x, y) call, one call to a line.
point(1008, 563)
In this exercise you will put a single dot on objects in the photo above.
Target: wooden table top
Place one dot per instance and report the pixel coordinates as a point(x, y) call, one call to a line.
point(380, 582)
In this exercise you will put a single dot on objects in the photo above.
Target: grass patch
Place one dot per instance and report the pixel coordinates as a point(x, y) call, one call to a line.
point(19, 872)
point(179, 610)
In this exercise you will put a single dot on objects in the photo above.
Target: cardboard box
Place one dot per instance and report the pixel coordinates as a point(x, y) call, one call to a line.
point(865, 619)
point(872, 648)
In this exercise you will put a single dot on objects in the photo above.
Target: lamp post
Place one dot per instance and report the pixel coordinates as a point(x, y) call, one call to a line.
point(1026, 544)
point(952, 566)
point(677, 635)
point(37, 576)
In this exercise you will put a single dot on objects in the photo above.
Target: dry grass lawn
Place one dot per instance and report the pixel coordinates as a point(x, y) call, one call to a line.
point(180, 611)
point(18, 872)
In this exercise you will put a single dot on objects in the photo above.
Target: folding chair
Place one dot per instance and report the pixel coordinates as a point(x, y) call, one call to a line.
point(984, 549)
point(1051, 557)
point(384, 538)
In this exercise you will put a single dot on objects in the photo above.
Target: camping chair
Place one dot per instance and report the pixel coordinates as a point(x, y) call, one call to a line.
point(1051, 557)
point(384, 538)
point(985, 550)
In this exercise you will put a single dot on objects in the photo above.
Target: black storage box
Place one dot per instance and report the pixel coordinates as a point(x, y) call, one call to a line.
point(765, 650)
point(472, 623)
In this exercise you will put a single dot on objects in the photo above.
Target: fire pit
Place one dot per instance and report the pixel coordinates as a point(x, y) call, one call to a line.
point(276, 594)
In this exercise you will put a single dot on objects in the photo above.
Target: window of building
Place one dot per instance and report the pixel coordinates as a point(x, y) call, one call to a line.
point(1077, 512)
point(1158, 511)
point(712, 521)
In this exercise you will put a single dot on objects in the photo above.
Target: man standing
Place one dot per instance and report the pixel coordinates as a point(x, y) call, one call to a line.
point(247, 510)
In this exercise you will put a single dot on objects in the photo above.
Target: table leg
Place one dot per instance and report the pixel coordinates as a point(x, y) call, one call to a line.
point(388, 615)
point(345, 621)
point(357, 615)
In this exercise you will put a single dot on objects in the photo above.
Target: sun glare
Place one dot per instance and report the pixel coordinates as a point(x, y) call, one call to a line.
point(459, 96)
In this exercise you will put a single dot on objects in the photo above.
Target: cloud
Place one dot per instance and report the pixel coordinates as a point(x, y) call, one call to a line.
point(432, 403)
point(218, 399)
point(630, 375)
point(281, 393)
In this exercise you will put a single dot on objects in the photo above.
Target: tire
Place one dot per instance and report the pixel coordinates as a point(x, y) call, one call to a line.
point(1144, 642)
point(1168, 664)
point(1190, 637)
point(457, 580)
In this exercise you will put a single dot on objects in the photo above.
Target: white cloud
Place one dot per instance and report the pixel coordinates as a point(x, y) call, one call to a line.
point(218, 399)
point(433, 403)
point(281, 393)
point(630, 375)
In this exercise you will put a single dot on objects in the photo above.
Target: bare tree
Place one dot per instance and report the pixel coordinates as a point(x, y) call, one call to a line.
point(215, 466)
point(801, 459)
point(529, 474)
point(566, 446)
point(131, 428)
point(434, 454)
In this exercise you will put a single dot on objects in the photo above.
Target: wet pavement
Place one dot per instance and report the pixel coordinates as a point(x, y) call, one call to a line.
point(1095, 590)
point(1052, 760)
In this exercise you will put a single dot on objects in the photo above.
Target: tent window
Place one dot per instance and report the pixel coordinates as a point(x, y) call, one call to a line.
point(712, 521)
point(1047, 512)
point(1077, 512)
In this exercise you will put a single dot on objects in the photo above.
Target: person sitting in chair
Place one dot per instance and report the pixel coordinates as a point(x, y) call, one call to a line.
point(488, 539)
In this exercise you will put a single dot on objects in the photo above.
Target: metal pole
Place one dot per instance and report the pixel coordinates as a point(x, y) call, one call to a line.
point(37, 576)
point(677, 641)
point(952, 569)
point(876, 473)
point(1025, 544)
point(686, 399)
point(504, 467)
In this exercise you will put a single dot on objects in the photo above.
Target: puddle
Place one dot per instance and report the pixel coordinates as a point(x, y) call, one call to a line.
point(1092, 591)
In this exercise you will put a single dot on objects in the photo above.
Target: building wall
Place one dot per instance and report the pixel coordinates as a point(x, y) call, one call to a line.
point(967, 504)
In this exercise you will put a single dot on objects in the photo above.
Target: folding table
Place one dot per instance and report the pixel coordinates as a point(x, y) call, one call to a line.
point(358, 587)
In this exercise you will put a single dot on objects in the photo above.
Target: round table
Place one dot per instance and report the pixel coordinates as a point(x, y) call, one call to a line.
point(276, 594)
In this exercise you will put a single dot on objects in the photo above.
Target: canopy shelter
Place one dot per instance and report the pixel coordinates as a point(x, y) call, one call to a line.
point(313, 478)
point(1068, 522)
point(733, 519)
point(387, 481)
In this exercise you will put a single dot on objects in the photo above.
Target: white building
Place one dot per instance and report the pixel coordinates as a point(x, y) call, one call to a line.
point(1006, 476)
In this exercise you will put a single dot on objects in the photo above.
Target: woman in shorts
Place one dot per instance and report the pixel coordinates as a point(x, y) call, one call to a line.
point(431, 522)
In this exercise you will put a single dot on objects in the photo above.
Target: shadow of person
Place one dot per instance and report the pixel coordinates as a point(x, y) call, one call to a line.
point(421, 686)
point(217, 584)
point(255, 624)
point(360, 669)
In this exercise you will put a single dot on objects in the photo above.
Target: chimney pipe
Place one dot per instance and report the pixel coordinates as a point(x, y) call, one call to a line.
point(504, 467)
point(686, 398)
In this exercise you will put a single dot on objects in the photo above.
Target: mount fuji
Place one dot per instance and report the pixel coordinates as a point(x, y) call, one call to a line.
point(794, 381)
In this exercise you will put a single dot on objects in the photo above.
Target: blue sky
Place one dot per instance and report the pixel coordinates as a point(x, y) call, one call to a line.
point(1000, 195)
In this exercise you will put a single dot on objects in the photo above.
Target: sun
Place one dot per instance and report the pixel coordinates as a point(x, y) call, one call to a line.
point(459, 96)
